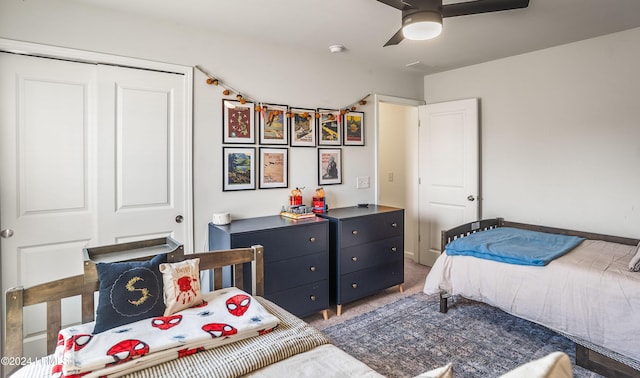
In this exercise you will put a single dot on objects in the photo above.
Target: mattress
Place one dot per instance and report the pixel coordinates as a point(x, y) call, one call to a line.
point(293, 347)
point(589, 293)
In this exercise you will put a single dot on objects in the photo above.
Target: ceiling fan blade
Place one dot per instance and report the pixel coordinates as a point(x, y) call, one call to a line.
point(481, 6)
point(397, 38)
point(398, 4)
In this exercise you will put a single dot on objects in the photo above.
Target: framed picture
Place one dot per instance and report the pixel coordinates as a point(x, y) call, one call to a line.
point(238, 122)
point(329, 166)
point(239, 168)
point(274, 168)
point(353, 129)
point(329, 133)
point(303, 127)
point(273, 124)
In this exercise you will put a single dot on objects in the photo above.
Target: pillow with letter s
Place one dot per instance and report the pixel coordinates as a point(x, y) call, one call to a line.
point(129, 291)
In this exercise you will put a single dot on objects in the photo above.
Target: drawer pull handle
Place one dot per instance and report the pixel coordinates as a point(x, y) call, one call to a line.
point(313, 268)
point(355, 232)
point(312, 239)
point(354, 285)
point(313, 297)
point(394, 224)
point(393, 249)
point(354, 258)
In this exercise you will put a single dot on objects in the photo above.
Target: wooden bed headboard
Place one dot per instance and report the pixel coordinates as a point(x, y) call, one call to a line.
point(486, 224)
point(85, 285)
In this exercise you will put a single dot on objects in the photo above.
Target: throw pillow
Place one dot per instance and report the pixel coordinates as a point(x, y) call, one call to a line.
point(553, 365)
point(181, 285)
point(445, 371)
point(129, 291)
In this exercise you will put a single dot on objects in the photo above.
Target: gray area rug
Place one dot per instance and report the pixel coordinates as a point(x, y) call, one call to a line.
point(410, 336)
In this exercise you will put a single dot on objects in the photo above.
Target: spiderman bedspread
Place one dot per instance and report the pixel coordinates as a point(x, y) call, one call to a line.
point(226, 316)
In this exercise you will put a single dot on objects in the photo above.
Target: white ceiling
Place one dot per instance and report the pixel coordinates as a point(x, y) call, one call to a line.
point(363, 26)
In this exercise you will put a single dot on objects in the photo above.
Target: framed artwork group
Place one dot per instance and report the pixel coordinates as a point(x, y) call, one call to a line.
point(275, 128)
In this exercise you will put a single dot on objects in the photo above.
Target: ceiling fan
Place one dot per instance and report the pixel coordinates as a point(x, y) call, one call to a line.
point(422, 19)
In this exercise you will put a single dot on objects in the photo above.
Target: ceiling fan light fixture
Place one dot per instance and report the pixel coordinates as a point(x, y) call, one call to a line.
point(420, 26)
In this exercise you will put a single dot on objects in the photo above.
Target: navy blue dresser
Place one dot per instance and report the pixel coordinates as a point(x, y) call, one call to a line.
point(366, 251)
point(296, 258)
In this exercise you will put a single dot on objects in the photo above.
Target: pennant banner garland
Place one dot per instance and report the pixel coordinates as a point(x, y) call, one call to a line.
point(229, 91)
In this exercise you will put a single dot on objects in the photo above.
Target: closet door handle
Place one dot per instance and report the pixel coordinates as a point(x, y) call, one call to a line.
point(354, 285)
point(312, 239)
point(354, 232)
point(394, 249)
point(354, 258)
point(313, 297)
point(313, 268)
point(394, 225)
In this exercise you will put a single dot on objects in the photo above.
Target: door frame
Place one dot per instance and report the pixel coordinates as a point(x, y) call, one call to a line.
point(377, 99)
point(410, 102)
point(55, 52)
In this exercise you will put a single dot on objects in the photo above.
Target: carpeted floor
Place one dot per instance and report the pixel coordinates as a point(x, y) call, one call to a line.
point(403, 334)
point(410, 336)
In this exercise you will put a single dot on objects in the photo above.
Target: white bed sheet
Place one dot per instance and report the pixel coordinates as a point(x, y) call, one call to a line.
point(589, 293)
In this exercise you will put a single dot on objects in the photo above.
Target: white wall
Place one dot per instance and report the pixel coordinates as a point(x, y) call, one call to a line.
point(271, 74)
point(560, 133)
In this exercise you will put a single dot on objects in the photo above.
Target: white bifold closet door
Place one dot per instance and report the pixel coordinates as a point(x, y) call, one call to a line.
point(141, 152)
point(89, 155)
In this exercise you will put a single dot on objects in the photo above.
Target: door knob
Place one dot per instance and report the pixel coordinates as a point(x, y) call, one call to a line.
point(6, 233)
point(179, 219)
point(471, 198)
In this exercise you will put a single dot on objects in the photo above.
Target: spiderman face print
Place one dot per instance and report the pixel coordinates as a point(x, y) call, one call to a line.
point(127, 350)
point(238, 304)
point(166, 322)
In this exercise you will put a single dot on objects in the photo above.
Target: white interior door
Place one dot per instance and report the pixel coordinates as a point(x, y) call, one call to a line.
point(47, 185)
point(142, 151)
point(89, 155)
point(449, 190)
point(47, 144)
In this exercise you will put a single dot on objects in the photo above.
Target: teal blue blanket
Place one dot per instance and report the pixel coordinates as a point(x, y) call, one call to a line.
point(513, 246)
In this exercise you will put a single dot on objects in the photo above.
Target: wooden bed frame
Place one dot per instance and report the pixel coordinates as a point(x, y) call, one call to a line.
point(585, 357)
point(85, 285)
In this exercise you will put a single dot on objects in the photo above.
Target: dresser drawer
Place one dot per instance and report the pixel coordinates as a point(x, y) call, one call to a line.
point(282, 275)
point(370, 228)
point(367, 255)
point(364, 282)
point(285, 243)
point(303, 300)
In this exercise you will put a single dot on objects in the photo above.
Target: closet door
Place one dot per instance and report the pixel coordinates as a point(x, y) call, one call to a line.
point(47, 165)
point(47, 170)
point(89, 155)
point(141, 155)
